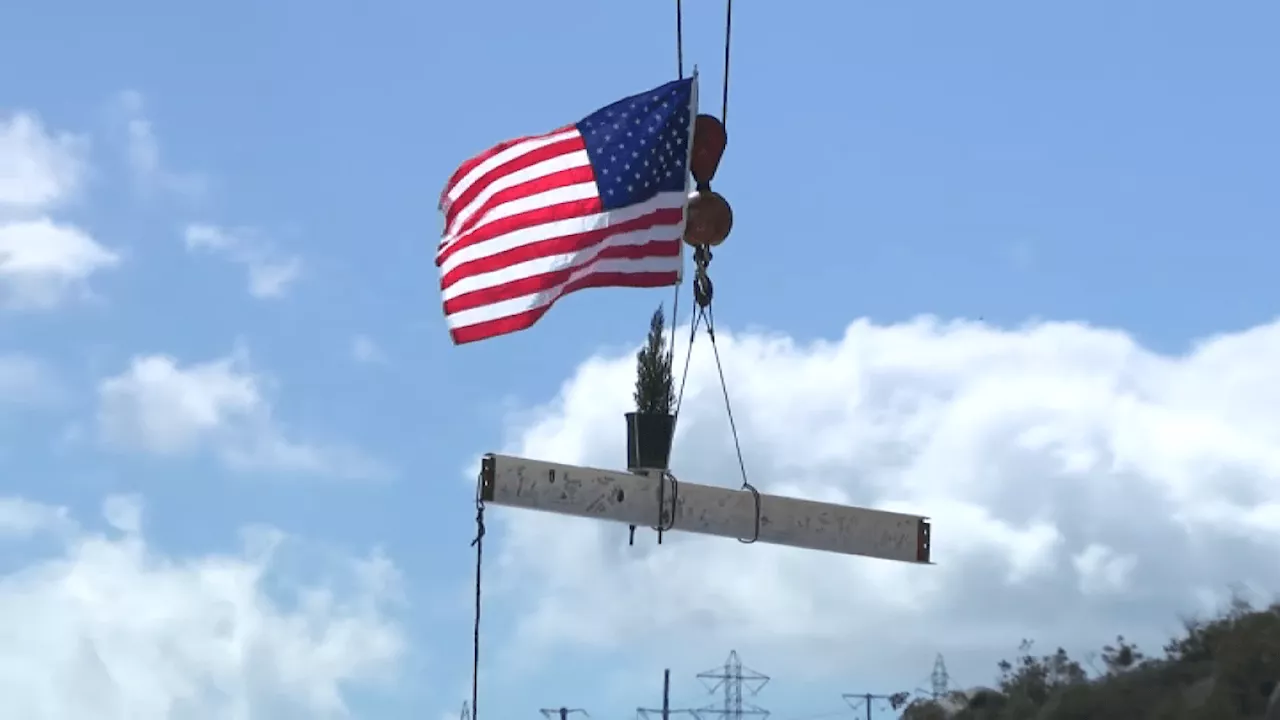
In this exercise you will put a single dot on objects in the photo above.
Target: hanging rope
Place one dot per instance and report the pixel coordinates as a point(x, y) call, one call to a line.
point(478, 544)
point(675, 300)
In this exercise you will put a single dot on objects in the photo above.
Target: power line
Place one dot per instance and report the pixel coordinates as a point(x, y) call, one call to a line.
point(650, 713)
point(869, 700)
point(822, 715)
point(732, 679)
point(563, 713)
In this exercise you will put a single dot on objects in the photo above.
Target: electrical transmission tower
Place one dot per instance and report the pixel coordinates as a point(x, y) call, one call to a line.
point(939, 679)
point(939, 682)
point(465, 714)
point(732, 680)
point(868, 700)
point(563, 713)
point(665, 712)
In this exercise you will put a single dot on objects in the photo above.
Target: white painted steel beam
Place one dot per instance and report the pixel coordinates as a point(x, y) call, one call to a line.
point(632, 499)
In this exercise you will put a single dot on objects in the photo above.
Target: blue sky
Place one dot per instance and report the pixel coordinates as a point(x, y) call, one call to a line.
point(1113, 166)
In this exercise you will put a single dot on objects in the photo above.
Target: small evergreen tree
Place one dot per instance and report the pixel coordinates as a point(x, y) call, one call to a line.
point(655, 389)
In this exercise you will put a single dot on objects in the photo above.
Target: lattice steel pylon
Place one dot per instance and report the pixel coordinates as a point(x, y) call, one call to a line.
point(939, 679)
point(732, 680)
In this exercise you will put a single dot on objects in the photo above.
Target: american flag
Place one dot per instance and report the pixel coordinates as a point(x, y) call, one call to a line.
point(600, 203)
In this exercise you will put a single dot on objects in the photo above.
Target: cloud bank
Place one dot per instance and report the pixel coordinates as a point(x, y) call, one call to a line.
point(1080, 485)
point(100, 624)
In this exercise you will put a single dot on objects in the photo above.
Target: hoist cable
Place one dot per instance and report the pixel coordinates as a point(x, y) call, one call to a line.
point(728, 27)
point(679, 40)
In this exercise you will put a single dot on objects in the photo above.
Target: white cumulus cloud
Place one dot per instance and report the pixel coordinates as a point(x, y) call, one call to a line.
point(101, 624)
point(38, 169)
point(270, 273)
point(43, 261)
point(1080, 485)
point(161, 406)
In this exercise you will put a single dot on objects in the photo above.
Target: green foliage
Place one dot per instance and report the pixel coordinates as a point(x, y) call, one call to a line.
point(1223, 668)
point(655, 388)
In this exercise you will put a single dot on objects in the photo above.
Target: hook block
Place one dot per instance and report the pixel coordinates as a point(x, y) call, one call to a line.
point(709, 141)
point(708, 219)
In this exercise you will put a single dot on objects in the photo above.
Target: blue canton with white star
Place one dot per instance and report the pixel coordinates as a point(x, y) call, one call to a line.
point(639, 145)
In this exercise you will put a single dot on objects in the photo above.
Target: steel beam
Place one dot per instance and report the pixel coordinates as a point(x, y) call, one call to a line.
point(633, 499)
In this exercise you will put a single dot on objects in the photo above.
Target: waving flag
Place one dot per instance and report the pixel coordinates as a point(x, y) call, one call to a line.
point(600, 203)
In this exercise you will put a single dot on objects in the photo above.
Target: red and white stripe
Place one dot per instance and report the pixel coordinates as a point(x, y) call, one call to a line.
point(524, 226)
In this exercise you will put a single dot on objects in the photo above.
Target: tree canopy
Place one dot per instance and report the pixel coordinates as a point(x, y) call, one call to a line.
point(1222, 668)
